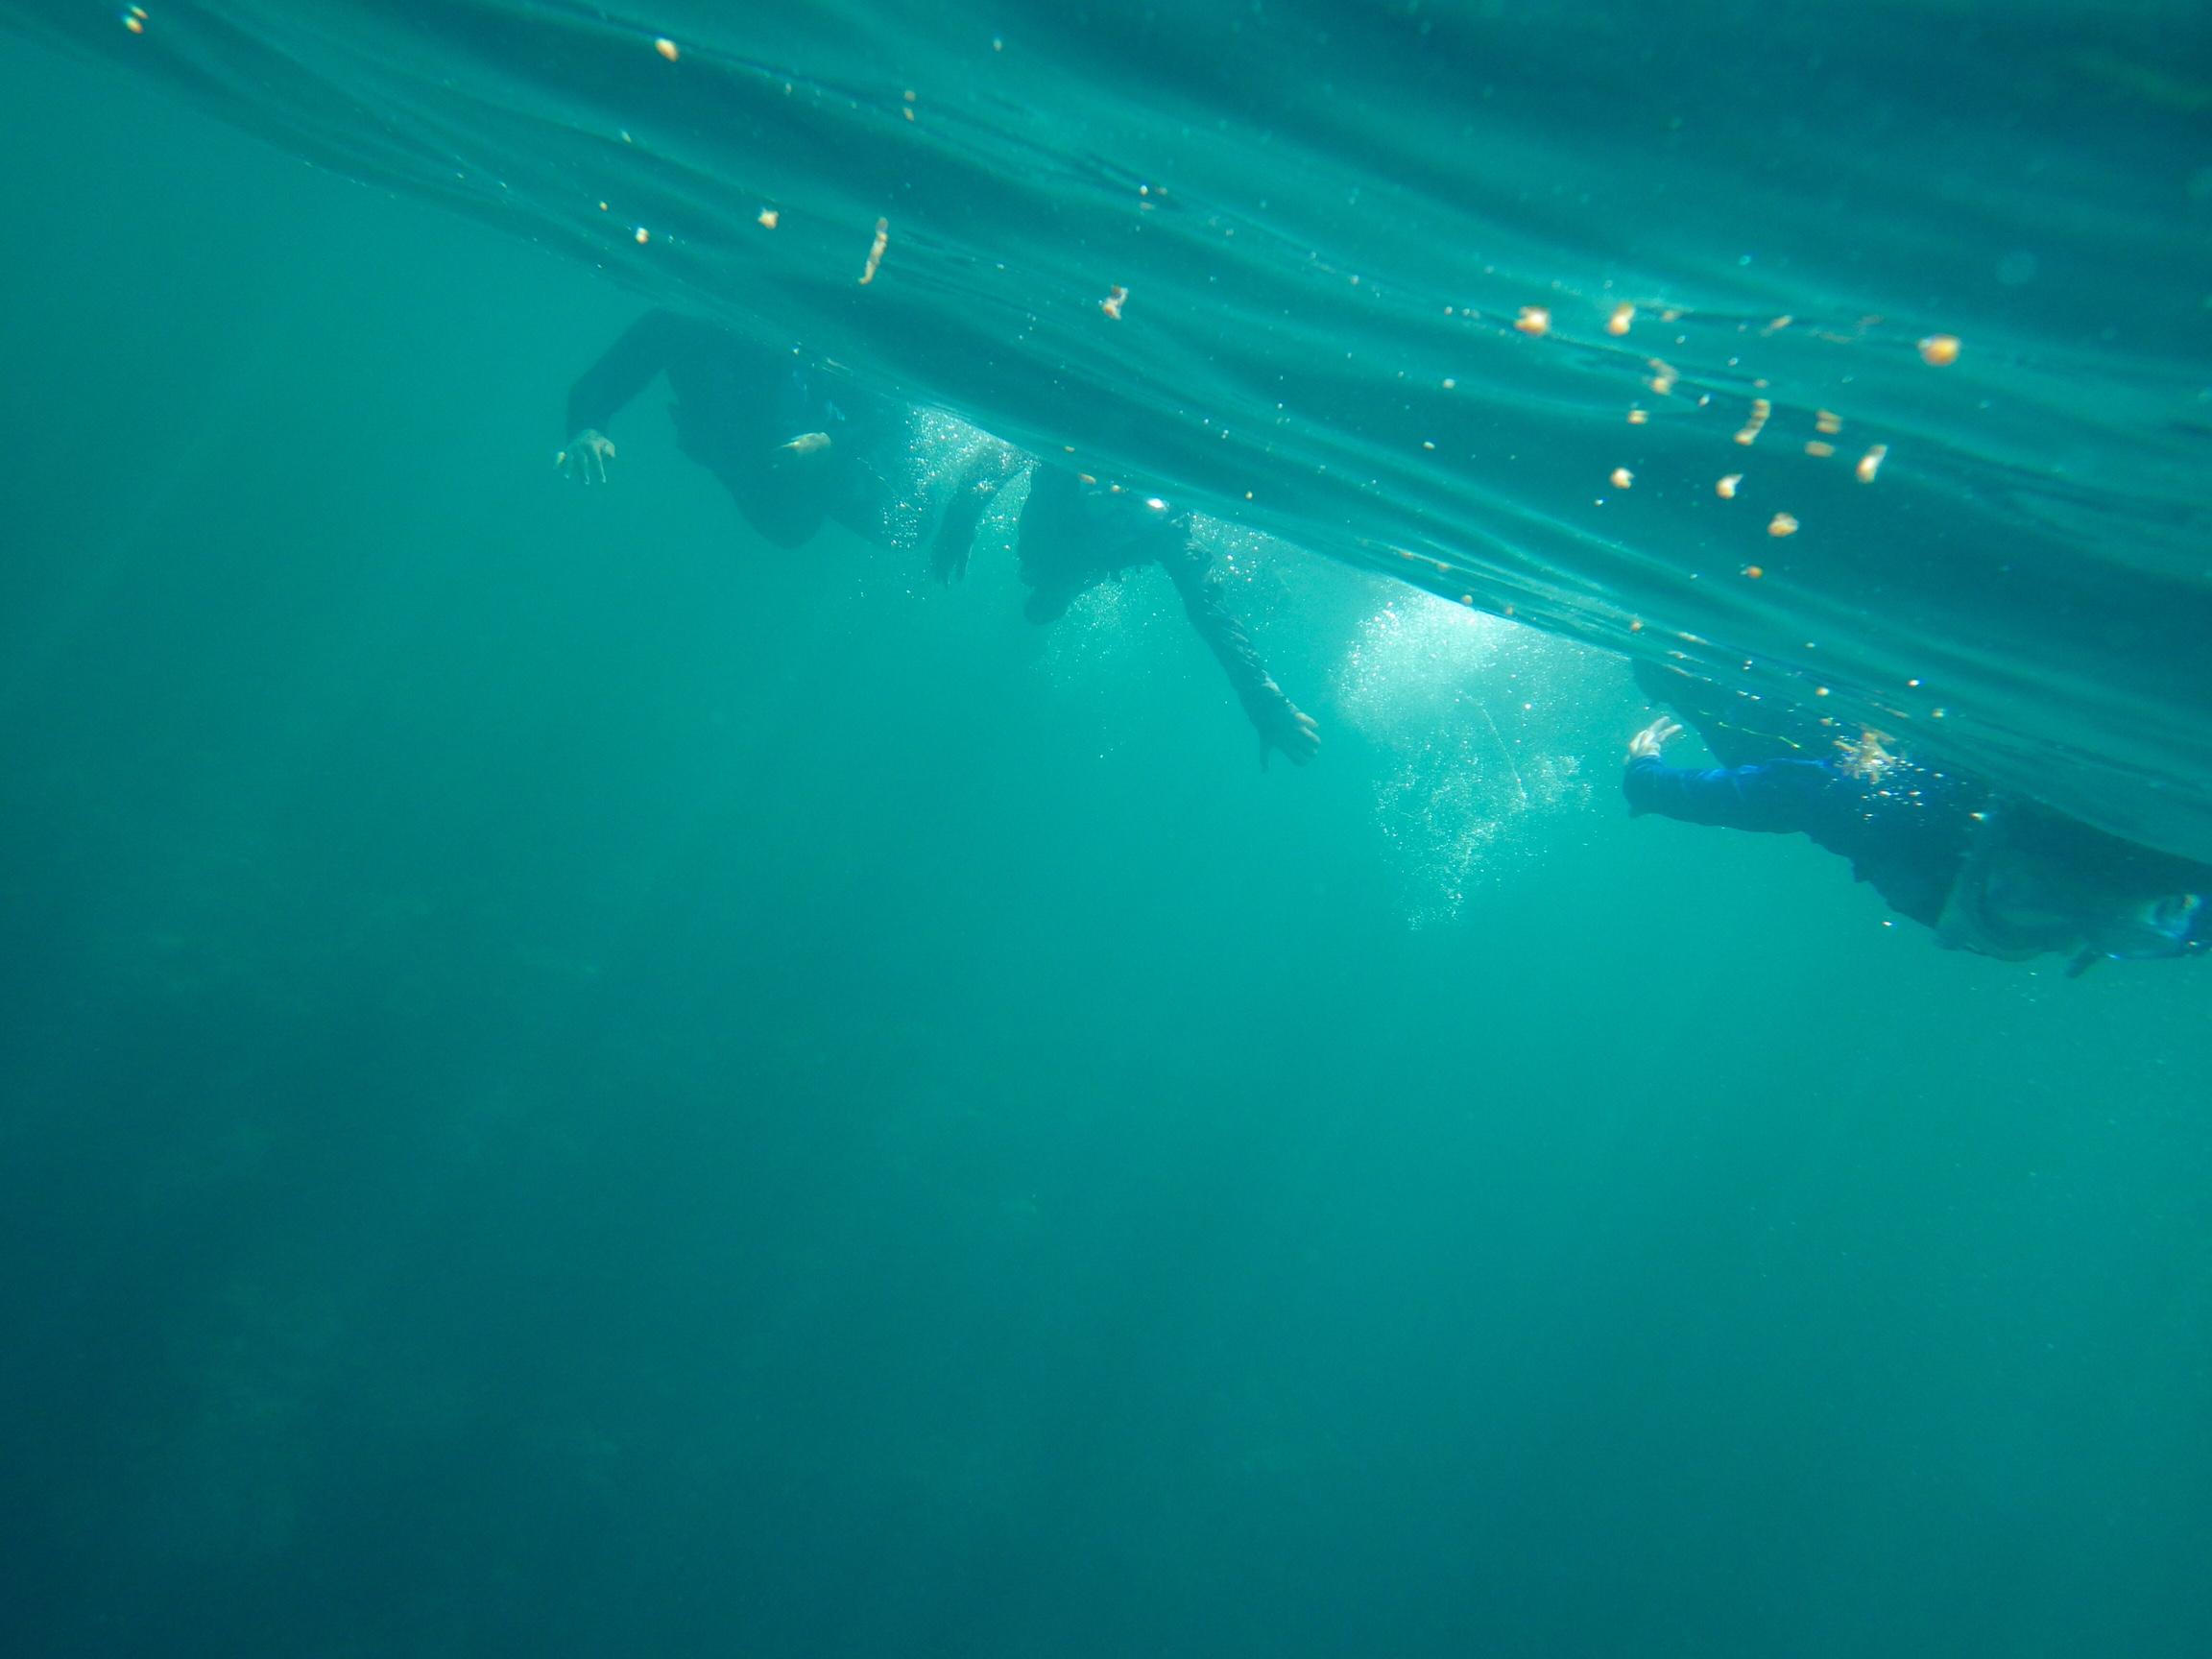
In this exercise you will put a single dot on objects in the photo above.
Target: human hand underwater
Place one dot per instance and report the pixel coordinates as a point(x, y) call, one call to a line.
point(1647, 744)
point(586, 458)
point(1291, 731)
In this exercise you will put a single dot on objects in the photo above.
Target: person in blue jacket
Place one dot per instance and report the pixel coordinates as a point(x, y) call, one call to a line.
point(1989, 872)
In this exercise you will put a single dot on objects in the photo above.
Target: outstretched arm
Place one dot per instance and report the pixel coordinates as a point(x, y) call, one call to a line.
point(1281, 723)
point(626, 369)
point(1776, 797)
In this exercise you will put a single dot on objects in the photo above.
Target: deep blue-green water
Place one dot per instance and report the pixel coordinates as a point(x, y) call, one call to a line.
point(573, 1084)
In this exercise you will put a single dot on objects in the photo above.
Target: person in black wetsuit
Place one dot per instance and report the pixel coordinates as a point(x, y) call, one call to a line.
point(1076, 534)
point(1996, 874)
point(794, 444)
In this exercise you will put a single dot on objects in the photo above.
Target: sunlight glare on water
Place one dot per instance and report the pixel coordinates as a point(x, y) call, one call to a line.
point(1466, 711)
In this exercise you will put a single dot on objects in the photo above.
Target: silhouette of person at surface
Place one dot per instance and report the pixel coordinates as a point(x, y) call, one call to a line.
point(793, 445)
point(1997, 875)
point(797, 447)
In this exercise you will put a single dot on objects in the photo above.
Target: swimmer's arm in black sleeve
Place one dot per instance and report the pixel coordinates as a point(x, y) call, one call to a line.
point(1281, 723)
point(626, 368)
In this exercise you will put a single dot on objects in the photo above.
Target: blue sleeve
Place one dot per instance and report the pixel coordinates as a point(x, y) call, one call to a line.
point(1777, 797)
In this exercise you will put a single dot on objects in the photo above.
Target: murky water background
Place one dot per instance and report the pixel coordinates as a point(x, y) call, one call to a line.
point(573, 1084)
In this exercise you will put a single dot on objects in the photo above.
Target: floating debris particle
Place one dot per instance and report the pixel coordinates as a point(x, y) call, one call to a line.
point(1635, 624)
point(1533, 320)
point(1939, 350)
point(1829, 421)
point(875, 251)
point(644, 235)
point(1755, 571)
point(1637, 417)
point(1870, 463)
point(1727, 488)
point(666, 48)
point(766, 218)
point(1622, 316)
point(1112, 303)
point(135, 19)
point(1623, 478)
point(1663, 377)
point(1761, 409)
point(807, 443)
point(1450, 384)
point(1820, 449)
point(1782, 524)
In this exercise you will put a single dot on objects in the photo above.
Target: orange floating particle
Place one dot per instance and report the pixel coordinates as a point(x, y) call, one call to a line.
point(1533, 320)
point(666, 48)
point(1755, 571)
point(1623, 478)
point(1819, 450)
point(875, 251)
point(135, 21)
point(1112, 303)
point(1622, 316)
point(1727, 488)
point(1635, 624)
point(1870, 463)
point(1829, 421)
point(766, 218)
point(644, 235)
point(1637, 417)
point(1782, 524)
point(1939, 350)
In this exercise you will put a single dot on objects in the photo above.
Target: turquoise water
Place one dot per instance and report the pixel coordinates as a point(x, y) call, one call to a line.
point(575, 1084)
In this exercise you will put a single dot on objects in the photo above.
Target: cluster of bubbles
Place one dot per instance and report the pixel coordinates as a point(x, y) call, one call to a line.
point(1449, 697)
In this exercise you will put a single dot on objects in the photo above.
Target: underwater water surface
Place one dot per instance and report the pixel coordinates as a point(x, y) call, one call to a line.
point(575, 1083)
